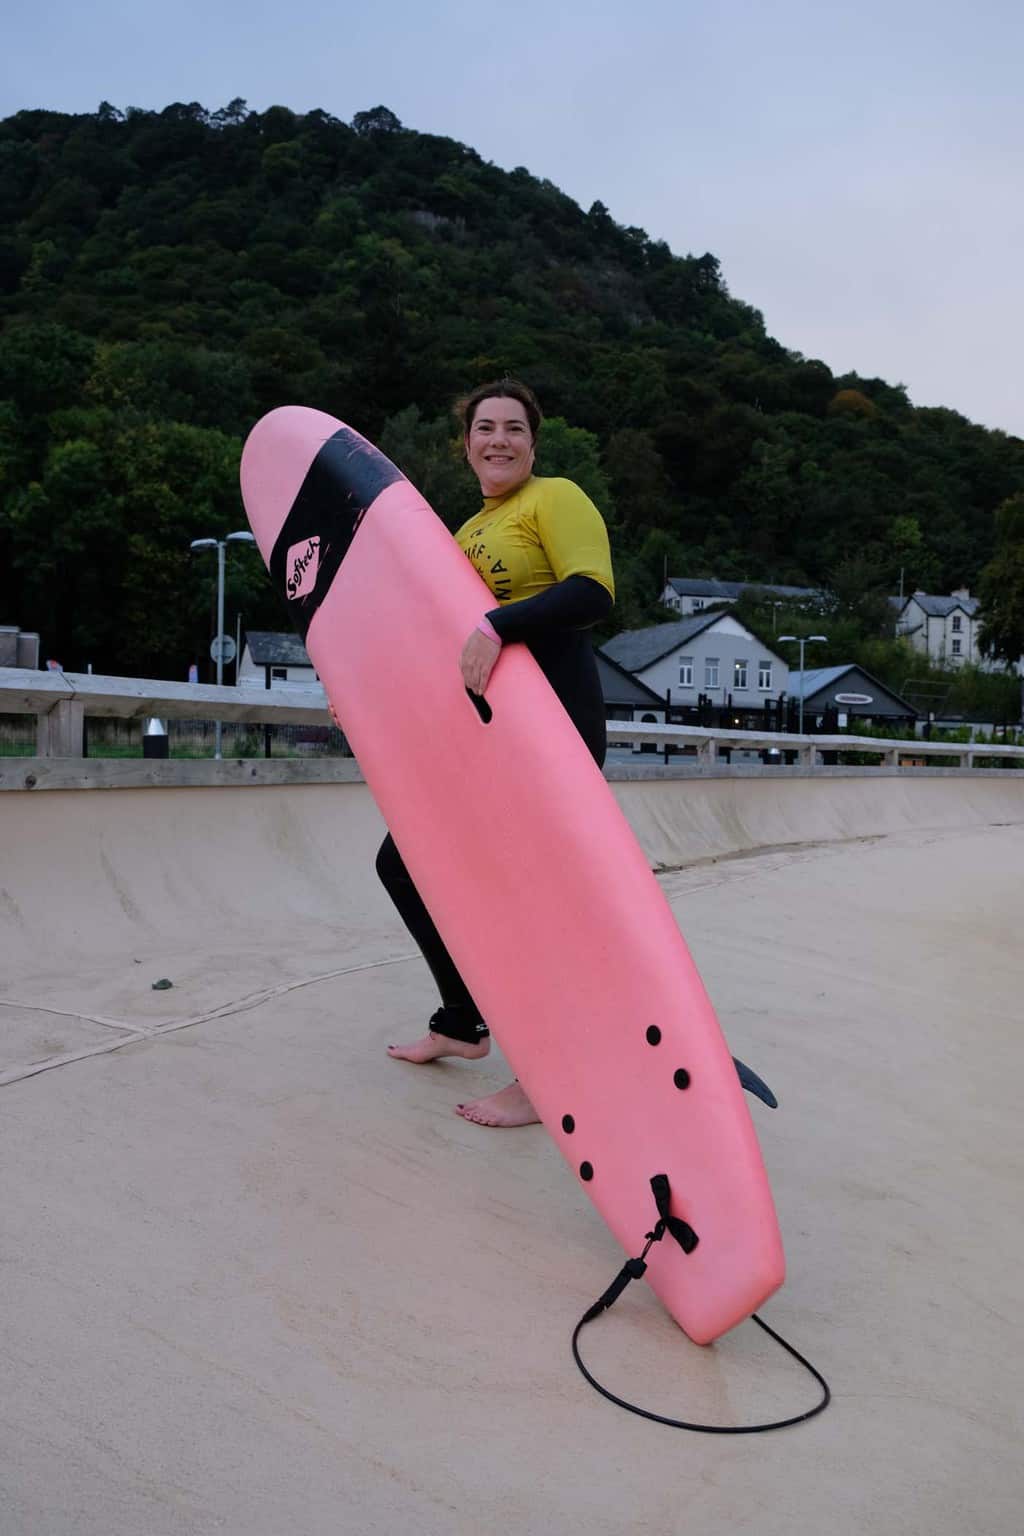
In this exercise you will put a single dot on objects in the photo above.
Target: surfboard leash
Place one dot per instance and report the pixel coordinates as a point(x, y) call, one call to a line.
point(633, 1269)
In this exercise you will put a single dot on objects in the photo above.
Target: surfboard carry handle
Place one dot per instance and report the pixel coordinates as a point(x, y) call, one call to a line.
point(481, 706)
point(634, 1269)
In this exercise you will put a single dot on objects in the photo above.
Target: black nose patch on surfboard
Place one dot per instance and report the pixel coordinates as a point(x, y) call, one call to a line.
point(344, 479)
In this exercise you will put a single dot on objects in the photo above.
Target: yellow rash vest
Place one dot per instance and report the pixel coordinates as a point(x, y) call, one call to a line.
point(543, 551)
point(526, 541)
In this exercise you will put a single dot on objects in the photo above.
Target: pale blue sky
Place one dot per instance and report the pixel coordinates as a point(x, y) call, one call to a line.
point(858, 169)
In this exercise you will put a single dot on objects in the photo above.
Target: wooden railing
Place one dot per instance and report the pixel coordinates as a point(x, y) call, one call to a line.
point(60, 702)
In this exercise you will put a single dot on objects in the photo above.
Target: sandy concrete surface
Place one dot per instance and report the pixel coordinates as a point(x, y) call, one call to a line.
point(259, 1279)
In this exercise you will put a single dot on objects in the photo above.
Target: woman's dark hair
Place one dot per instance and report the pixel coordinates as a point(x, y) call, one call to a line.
point(501, 389)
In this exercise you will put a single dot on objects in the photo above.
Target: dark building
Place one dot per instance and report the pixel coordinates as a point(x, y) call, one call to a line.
point(848, 694)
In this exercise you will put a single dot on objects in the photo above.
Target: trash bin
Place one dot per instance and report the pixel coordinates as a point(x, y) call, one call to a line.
point(155, 741)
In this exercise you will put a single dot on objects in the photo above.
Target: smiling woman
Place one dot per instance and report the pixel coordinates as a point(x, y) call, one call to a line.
point(542, 548)
point(501, 435)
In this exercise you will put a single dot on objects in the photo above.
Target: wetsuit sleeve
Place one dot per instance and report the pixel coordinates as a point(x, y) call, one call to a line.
point(575, 603)
point(575, 540)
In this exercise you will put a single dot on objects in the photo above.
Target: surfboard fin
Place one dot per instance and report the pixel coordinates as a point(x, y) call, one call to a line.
point(755, 1085)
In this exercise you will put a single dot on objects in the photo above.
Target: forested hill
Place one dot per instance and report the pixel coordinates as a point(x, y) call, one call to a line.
point(165, 277)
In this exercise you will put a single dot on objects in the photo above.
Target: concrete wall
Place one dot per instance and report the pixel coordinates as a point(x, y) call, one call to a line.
point(680, 821)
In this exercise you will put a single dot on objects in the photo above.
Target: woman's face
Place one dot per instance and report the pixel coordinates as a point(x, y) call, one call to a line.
point(499, 445)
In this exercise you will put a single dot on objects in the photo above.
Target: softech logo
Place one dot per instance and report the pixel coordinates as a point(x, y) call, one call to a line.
point(301, 567)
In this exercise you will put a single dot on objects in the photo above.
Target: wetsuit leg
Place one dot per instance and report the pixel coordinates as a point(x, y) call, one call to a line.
point(459, 1018)
point(567, 662)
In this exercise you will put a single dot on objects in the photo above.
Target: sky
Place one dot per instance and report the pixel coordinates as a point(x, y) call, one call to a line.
point(857, 169)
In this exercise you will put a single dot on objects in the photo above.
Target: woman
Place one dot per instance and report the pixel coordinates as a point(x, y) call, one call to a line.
point(542, 548)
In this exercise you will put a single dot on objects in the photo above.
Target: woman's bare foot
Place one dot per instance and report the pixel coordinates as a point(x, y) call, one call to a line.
point(433, 1046)
point(509, 1106)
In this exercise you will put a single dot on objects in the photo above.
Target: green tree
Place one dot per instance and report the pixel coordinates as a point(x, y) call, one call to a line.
point(573, 453)
point(99, 542)
point(375, 121)
point(174, 382)
point(638, 481)
point(1001, 588)
point(859, 586)
point(909, 555)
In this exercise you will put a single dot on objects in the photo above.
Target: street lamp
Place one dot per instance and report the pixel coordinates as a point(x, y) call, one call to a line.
point(801, 641)
point(220, 546)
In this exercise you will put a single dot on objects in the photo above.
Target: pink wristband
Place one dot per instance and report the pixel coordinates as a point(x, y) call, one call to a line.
point(487, 628)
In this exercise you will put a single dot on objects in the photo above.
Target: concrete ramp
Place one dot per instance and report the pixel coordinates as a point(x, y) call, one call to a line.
point(259, 1278)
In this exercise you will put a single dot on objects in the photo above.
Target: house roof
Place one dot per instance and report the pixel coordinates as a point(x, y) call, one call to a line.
point(271, 650)
point(620, 687)
point(939, 607)
point(817, 680)
point(636, 649)
point(684, 586)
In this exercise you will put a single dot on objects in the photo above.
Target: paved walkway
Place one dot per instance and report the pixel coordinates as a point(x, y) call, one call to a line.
point(260, 1280)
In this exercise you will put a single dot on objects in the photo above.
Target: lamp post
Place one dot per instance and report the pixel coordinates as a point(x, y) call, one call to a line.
point(220, 545)
point(801, 641)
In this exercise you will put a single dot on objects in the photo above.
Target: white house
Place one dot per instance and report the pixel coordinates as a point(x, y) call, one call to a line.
point(277, 661)
point(689, 596)
point(711, 654)
point(945, 629)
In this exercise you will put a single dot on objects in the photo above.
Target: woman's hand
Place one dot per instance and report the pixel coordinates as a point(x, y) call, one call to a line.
point(477, 661)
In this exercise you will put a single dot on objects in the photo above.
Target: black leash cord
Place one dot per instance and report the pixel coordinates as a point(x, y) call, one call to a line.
point(713, 1429)
point(632, 1270)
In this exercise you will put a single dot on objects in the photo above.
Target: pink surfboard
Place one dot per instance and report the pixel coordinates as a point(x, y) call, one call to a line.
point(526, 863)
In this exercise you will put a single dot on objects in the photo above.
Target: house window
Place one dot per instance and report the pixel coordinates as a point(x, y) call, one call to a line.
point(686, 671)
point(957, 624)
point(281, 673)
point(957, 647)
point(764, 676)
point(711, 672)
point(698, 604)
point(739, 674)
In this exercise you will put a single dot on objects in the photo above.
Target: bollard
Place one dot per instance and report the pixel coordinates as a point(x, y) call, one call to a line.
point(155, 741)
